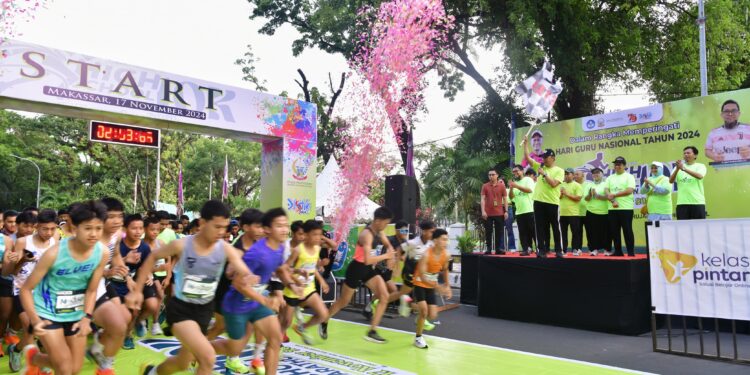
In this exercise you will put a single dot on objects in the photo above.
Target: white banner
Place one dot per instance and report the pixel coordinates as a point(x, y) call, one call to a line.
point(629, 117)
point(701, 268)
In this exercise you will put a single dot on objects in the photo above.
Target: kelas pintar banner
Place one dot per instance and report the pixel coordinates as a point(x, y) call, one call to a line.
point(659, 133)
point(701, 268)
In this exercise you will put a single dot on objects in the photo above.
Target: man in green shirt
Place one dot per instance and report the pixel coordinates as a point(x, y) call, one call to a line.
point(167, 235)
point(658, 192)
point(580, 177)
point(691, 200)
point(546, 200)
point(597, 214)
point(570, 196)
point(619, 189)
point(521, 190)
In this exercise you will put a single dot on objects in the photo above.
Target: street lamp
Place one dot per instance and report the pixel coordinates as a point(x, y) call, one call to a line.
point(38, 179)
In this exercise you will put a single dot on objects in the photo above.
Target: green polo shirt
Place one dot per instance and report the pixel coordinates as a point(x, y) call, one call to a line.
point(544, 192)
point(585, 187)
point(689, 188)
point(523, 201)
point(598, 206)
point(658, 203)
point(569, 207)
point(620, 182)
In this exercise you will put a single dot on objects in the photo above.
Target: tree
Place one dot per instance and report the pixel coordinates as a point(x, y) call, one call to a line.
point(247, 62)
point(675, 71)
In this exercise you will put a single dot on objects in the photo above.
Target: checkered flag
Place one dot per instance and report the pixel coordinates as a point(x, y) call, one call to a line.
point(539, 92)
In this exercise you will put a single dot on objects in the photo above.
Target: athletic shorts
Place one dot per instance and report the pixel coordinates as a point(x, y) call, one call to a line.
point(274, 285)
point(294, 302)
point(160, 279)
point(6, 288)
point(67, 327)
point(180, 311)
point(149, 291)
point(407, 274)
point(386, 274)
point(17, 306)
point(425, 294)
point(221, 290)
point(235, 323)
point(111, 293)
point(358, 273)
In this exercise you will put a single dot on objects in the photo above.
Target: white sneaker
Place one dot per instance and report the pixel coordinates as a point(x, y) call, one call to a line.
point(609, 253)
point(420, 342)
point(156, 330)
point(298, 315)
point(579, 252)
point(594, 253)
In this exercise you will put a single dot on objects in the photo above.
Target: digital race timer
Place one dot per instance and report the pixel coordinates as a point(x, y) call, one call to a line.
point(124, 134)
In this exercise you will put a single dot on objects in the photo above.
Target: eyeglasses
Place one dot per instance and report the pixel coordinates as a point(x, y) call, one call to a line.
point(730, 111)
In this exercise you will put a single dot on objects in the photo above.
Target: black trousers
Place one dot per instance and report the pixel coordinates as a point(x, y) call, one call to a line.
point(574, 223)
point(622, 220)
point(526, 230)
point(597, 230)
point(583, 228)
point(547, 215)
point(691, 211)
point(498, 224)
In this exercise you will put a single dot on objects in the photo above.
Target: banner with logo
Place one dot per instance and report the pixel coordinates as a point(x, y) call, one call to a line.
point(659, 133)
point(701, 268)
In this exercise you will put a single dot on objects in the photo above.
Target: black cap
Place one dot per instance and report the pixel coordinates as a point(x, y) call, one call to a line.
point(619, 160)
point(547, 153)
point(597, 169)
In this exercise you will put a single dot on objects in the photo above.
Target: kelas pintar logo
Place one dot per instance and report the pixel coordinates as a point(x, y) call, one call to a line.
point(675, 264)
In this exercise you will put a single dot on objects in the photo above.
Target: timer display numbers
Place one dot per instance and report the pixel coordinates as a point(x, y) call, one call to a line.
point(124, 134)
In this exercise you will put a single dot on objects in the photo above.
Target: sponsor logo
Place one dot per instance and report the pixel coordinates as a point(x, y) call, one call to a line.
point(635, 116)
point(675, 264)
point(632, 117)
point(300, 206)
point(296, 359)
point(299, 169)
point(590, 124)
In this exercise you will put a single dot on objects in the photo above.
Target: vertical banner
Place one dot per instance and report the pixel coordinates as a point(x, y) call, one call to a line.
point(701, 268)
point(660, 132)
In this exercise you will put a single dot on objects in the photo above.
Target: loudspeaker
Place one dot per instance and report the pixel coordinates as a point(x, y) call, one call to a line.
point(402, 197)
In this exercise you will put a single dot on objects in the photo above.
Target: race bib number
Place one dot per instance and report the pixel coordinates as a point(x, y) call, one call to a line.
point(309, 270)
point(160, 262)
point(199, 287)
point(431, 277)
point(69, 301)
point(261, 289)
point(376, 251)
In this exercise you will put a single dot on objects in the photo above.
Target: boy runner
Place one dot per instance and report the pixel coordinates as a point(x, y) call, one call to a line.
point(60, 310)
point(434, 262)
point(361, 270)
point(200, 261)
point(162, 272)
point(21, 263)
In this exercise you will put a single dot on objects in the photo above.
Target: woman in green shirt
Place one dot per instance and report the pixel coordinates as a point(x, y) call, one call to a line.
point(597, 222)
point(659, 192)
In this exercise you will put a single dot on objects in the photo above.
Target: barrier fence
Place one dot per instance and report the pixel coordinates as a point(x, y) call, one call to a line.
point(700, 288)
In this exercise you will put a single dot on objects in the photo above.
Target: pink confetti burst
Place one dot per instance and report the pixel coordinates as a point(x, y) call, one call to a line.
point(12, 13)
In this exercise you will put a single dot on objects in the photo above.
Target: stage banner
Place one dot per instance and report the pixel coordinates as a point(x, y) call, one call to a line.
point(701, 268)
point(659, 133)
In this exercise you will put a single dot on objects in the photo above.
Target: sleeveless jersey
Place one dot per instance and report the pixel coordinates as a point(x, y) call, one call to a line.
point(308, 264)
point(197, 276)
point(377, 246)
point(28, 267)
point(60, 296)
point(433, 268)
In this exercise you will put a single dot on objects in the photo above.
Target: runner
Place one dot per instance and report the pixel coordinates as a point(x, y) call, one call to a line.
point(304, 261)
point(251, 220)
point(25, 223)
point(135, 251)
point(167, 235)
point(434, 262)
point(110, 315)
point(276, 288)
point(244, 304)
point(20, 264)
point(60, 310)
point(66, 227)
point(6, 290)
point(9, 223)
point(200, 261)
point(413, 251)
point(386, 268)
point(162, 272)
point(361, 270)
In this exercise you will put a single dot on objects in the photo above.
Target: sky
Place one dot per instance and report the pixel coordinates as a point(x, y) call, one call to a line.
point(190, 38)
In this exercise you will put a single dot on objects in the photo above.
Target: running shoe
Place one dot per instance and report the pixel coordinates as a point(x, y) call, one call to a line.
point(427, 325)
point(11, 339)
point(258, 366)
point(420, 342)
point(156, 330)
point(403, 307)
point(373, 336)
point(559, 254)
point(28, 354)
point(15, 358)
point(140, 329)
point(104, 371)
point(323, 331)
point(235, 365)
point(367, 311)
point(594, 253)
point(298, 314)
point(436, 322)
point(302, 332)
point(284, 338)
point(128, 344)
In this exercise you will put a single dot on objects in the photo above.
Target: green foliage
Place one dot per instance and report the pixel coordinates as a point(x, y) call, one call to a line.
point(675, 71)
point(247, 62)
point(75, 169)
point(467, 244)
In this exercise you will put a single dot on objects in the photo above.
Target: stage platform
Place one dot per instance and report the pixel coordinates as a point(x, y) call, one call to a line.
point(607, 294)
